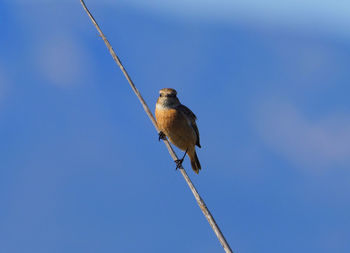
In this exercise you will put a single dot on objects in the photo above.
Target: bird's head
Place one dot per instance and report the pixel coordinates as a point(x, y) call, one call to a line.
point(168, 98)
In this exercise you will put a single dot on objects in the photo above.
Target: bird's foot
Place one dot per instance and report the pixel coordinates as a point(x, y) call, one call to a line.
point(161, 136)
point(180, 161)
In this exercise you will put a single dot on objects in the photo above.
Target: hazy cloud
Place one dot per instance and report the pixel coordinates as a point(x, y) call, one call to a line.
point(61, 61)
point(323, 15)
point(4, 82)
point(310, 143)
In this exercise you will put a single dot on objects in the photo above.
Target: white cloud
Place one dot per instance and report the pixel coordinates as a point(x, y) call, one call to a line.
point(324, 15)
point(308, 15)
point(310, 63)
point(58, 54)
point(309, 143)
point(61, 60)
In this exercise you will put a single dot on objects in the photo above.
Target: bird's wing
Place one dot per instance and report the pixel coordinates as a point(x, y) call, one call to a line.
point(192, 119)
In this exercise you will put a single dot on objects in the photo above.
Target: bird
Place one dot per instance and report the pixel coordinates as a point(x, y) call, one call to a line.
point(178, 123)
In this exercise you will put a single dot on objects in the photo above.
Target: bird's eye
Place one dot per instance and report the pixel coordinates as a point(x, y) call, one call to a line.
point(161, 95)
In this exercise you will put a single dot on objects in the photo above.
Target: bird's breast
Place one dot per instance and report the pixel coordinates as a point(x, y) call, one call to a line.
point(167, 119)
point(176, 127)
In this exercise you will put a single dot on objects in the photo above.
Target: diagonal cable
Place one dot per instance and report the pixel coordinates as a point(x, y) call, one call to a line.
point(198, 198)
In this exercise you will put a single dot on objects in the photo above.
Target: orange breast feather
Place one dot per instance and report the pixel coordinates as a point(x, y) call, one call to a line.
point(176, 127)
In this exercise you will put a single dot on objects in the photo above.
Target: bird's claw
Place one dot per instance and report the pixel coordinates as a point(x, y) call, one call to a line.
point(179, 163)
point(161, 136)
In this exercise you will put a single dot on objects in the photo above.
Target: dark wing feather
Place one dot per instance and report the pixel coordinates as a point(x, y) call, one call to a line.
point(189, 114)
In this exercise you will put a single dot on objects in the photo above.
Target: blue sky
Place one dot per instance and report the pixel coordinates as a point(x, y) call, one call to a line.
point(81, 167)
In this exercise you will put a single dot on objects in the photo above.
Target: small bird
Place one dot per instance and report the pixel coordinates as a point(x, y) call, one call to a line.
point(178, 123)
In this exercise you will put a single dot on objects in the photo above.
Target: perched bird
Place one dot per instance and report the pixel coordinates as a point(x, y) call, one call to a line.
point(178, 123)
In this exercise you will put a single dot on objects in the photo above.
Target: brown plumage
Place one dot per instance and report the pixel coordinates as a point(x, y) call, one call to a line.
point(178, 123)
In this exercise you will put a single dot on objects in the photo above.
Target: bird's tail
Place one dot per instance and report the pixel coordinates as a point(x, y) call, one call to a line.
point(196, 166)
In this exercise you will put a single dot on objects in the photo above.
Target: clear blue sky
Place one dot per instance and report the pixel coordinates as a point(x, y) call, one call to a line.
point(81, 168)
